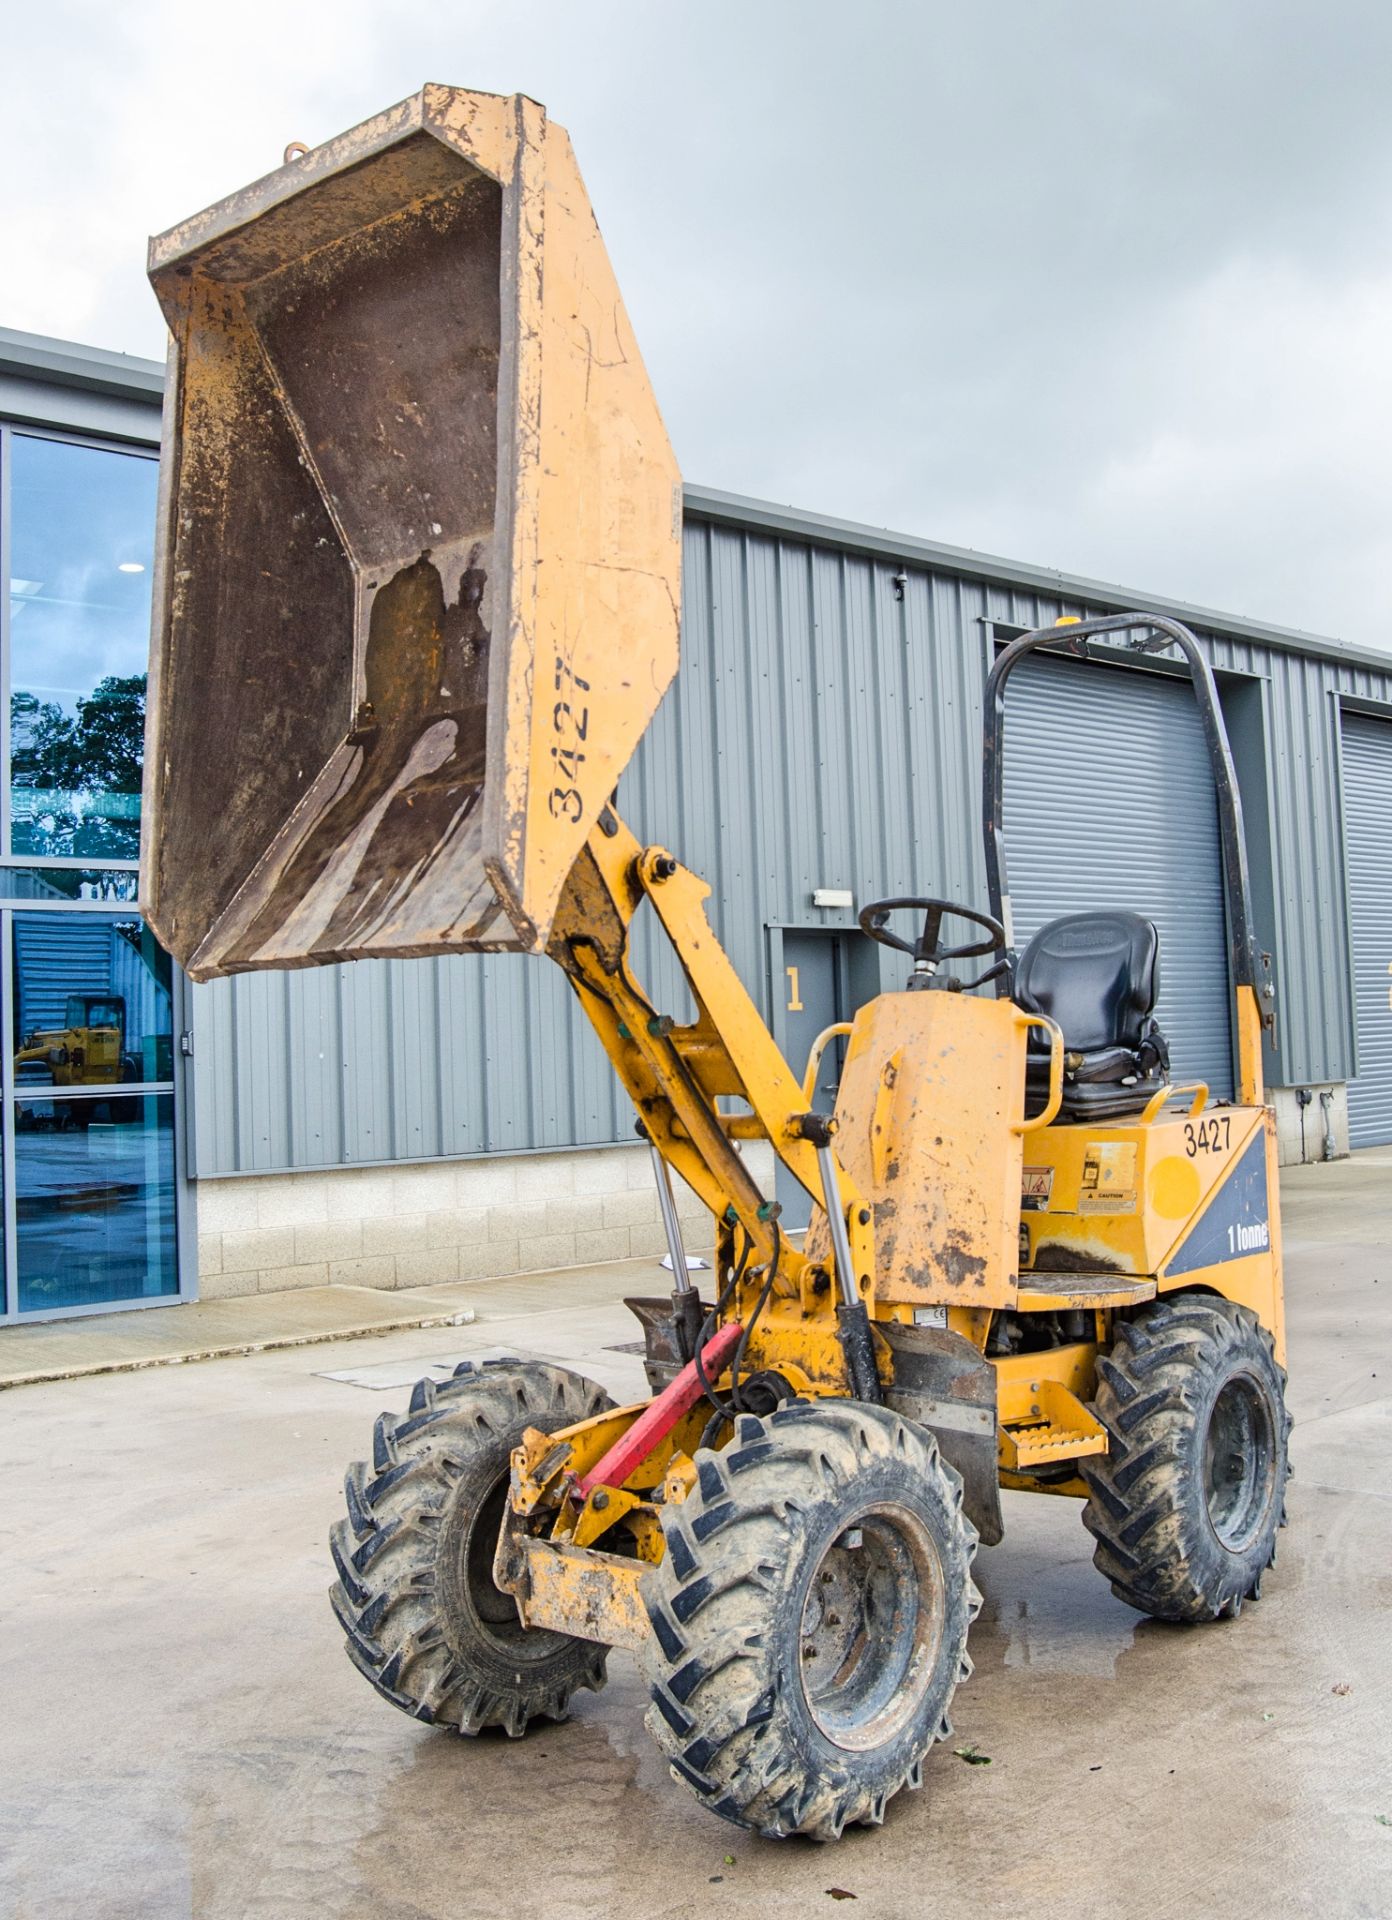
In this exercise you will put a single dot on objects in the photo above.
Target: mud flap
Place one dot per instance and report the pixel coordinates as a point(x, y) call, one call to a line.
point(663, 1359)
point(942, 1383)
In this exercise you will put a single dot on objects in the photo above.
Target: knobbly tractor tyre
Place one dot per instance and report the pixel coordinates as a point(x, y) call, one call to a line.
point(1186, 1504)
point(810, 1618)
point(415, 1594)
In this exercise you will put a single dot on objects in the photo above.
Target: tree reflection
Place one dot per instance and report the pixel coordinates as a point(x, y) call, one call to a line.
point(75, 777)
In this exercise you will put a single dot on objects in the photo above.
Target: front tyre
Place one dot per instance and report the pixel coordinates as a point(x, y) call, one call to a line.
point(415, 1594)
point(1186, 1504)
point(810, 1618)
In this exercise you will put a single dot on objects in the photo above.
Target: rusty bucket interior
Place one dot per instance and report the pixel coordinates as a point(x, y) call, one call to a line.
point(420, 548)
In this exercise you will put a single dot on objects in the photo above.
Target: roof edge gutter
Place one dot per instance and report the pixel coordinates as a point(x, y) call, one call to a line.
point(65, 363)
point(733, 509)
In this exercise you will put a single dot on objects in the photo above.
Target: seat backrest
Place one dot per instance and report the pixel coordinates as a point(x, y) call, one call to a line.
point(1096, 974)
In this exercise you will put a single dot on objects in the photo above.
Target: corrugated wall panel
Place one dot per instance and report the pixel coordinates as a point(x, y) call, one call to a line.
point(793, 742)
point(1367, 770)
point(824, 731)
point(313, 1043)
point(413, 1052)
point(1314, 1008)
point(257, 1032)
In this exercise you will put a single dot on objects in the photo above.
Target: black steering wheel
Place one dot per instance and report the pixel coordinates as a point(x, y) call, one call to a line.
point(926, 951)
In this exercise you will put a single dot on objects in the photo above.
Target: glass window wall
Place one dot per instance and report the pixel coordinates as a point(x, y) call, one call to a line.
point(88, 1162)
point(81, 532)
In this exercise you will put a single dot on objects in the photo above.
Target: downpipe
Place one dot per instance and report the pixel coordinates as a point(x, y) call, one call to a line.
point(1331, 1147)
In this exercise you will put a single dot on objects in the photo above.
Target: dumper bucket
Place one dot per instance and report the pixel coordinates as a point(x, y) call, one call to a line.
point(420, 548)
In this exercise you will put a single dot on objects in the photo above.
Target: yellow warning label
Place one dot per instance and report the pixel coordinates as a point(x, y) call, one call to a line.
point(1109, 1177)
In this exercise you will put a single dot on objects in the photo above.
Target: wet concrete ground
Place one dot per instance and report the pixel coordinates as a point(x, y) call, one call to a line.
point(180, 1732)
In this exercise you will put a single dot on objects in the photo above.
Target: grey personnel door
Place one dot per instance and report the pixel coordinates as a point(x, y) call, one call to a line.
point(813, 996)
point(1367, 765)
point(1109, 803)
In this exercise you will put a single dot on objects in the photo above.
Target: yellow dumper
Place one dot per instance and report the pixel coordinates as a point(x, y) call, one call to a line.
point(418, 599)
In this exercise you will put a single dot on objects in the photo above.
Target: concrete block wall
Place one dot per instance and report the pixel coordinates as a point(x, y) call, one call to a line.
point(440, 1221)
point(1294, 1146)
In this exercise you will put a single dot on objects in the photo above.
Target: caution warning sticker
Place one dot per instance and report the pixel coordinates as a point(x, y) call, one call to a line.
point(1036, 1184)
point(1109, 1177)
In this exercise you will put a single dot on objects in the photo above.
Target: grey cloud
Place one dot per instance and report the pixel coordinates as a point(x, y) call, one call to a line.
point(1094, 286)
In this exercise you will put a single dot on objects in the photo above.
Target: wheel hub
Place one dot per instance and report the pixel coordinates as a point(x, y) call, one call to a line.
point(1239, 1462)
point(871, 1623)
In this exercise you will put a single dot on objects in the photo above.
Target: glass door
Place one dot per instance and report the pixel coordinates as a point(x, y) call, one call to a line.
point(89, 1111)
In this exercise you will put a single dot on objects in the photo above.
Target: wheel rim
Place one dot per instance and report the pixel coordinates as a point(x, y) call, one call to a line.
point(494, 1611)
point(1239, 1462)
point(872, 1624)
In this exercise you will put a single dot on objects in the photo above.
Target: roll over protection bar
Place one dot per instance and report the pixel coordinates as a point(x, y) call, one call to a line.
point(1150, 633)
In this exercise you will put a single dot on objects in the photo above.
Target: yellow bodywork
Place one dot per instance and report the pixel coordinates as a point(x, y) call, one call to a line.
point(957, 1197)
point(961, 1199)
point(930, 1124)
point(1151, 1201)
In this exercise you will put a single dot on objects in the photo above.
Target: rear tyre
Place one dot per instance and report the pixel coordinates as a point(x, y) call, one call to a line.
point(415, 1594)
point(810, 1618)
point(1186, 1504)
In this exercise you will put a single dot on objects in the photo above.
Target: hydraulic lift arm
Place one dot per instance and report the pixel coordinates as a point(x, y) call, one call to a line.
point(677, 1077)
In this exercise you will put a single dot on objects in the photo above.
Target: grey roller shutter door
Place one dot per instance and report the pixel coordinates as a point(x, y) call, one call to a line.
point(1367, 761)
point(1109, 803)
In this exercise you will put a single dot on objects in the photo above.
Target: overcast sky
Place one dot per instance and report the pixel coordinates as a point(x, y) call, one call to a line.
point(1101, 287)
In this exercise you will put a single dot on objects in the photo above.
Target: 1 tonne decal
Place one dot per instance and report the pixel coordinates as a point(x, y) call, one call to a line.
point(1238, 1220)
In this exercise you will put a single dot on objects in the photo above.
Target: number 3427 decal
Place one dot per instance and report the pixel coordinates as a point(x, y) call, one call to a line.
point(1213, 1135)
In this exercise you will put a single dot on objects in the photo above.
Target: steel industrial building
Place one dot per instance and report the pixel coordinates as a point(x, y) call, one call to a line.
point(411, 1122)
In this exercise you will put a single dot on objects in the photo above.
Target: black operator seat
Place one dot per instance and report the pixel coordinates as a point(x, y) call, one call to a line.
point(1097, 976)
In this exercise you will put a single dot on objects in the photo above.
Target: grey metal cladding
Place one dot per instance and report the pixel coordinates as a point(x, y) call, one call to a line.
point(1367, 765)
point(394, 1061)
point(823, 731)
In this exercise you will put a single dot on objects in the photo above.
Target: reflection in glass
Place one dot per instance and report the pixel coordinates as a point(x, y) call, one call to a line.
point(81, 545)
point(93, 1006)
point(68, 883)
point(94, 1193)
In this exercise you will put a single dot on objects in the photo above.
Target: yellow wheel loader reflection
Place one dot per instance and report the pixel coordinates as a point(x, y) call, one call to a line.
point(418, 600)
point(88, 1050)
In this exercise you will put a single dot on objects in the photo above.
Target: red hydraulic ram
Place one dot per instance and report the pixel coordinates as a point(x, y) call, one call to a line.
point(659, 1417)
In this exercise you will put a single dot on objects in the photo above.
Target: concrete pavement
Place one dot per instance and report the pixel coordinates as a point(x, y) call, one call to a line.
point(163, 1336)
point(181, 1733)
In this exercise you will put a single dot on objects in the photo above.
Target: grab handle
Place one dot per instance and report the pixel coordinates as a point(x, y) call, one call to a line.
point(814, 1058)
point(1049, 1113)
point(1157, 1100)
